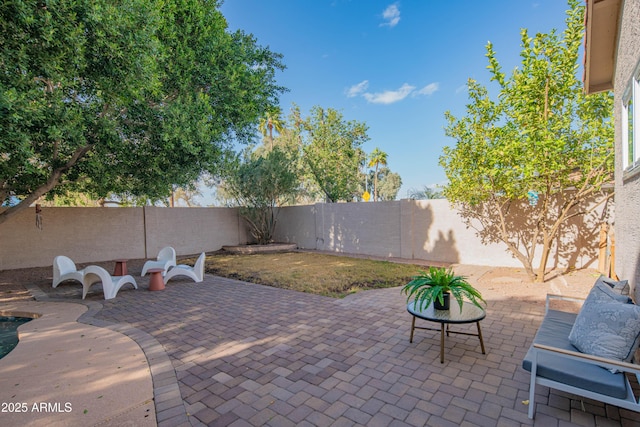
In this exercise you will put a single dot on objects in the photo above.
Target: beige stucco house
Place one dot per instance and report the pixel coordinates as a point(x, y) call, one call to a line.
point(612, 62)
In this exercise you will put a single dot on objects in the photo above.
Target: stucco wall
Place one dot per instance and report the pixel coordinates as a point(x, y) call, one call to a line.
point(627, 185)
point(192, 230)
point(410, 229)
point(300, 225)
point(103, 234)
point(84, 234)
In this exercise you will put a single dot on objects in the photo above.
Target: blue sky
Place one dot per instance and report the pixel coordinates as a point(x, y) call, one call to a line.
point(397, 66)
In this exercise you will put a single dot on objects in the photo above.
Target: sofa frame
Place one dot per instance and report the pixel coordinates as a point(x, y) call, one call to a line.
point(630, 402)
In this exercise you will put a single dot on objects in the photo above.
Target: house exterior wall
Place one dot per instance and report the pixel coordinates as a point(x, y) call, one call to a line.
point(627, 185)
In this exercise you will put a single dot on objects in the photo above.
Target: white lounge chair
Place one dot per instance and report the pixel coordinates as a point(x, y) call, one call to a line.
point(65, 269)
point(110, 284)
point(166, 259)
point(196, 272)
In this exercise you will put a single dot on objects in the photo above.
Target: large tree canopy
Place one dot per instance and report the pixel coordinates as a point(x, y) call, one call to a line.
point(538, 155)
point(124, 96)
point(332, 152)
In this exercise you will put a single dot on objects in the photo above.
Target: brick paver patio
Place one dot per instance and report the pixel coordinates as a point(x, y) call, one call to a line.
point(230, 353)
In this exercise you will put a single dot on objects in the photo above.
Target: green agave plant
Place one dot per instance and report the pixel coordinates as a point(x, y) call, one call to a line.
point(427, 287)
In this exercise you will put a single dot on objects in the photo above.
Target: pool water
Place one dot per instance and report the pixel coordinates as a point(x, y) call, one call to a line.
point(9, 333)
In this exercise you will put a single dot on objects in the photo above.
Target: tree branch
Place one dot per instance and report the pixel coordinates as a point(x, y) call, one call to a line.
point(52, 181)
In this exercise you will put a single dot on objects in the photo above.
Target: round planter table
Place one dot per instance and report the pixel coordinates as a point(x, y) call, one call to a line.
point(469, 314)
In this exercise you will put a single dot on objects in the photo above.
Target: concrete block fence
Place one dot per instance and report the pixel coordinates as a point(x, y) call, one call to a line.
point(409, 229)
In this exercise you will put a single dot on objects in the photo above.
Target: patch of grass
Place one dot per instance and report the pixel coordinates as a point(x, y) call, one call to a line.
point(321, 274)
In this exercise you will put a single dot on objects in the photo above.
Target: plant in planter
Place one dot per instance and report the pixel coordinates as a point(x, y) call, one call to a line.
point(437, 285)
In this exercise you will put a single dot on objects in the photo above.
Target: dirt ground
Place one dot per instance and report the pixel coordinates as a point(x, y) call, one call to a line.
point(503, 281)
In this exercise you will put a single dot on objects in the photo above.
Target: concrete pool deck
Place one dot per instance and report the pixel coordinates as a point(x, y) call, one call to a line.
point(66, 373)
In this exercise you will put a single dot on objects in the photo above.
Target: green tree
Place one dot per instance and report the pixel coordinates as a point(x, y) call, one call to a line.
point(272, 119)
point(376, 158)
point(186, 194)
point(131, 97)
point(260, 184)
point(72, 199)
point(332, 152)
point(426, 193)
point(389, 184)
point(536, 156)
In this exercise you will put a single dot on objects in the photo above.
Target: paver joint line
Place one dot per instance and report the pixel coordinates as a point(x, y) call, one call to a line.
point(224, 351)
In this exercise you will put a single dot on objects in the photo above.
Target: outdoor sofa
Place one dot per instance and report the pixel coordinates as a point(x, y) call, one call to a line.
point(590, 354)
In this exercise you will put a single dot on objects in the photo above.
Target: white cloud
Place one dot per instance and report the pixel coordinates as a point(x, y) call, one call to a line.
point(429, 89)
point(356, 90)
point(391, 16)
point(389, 96)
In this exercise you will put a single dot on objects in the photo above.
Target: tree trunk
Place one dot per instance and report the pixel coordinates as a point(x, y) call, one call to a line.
point(526, 262)
point(375, 185)
point(546, 250)
point(54, 179)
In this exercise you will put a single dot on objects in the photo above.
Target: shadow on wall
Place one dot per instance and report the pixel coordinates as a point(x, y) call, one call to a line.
point(577, 237)
point(573, 245)
point(445, 245)
point(349, 229)
point(443, 248)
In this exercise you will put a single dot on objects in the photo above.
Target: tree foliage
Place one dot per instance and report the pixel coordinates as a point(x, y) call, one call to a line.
point(259, 184)
point(332, 153)
point(123, 96)
point(426, 193)
point(389, 183)
point(538, 154)
point(272, 119)
point(376, 159)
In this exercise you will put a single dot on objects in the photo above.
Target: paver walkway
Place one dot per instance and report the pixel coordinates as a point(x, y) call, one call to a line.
point(251, 355)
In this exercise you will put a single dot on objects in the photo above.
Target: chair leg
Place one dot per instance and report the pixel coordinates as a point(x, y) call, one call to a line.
point(442, 342)
point(480, 337)
point(532, 386)
point(413, 326)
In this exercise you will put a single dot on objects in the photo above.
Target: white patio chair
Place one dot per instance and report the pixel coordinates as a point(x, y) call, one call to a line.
point(166, 259)
point(65, 269)
point(110, 284)
point(196, 272)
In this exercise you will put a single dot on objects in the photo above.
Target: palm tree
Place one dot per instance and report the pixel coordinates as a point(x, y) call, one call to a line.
point(377, 158)
point(272, 119)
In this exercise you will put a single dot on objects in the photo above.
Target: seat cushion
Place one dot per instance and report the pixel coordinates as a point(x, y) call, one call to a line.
point(554, 331)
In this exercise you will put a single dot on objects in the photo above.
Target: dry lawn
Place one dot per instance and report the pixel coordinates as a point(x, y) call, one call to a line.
point(320, 274)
